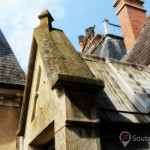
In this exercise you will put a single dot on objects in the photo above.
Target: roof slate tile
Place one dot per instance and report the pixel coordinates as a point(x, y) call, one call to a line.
point(140, 52)
point(10, 70)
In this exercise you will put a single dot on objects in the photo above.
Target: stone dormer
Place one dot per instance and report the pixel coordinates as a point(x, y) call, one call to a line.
point(55, 92)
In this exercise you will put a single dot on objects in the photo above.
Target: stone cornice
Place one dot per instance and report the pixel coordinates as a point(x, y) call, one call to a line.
point(128, 4)
point(117, 1)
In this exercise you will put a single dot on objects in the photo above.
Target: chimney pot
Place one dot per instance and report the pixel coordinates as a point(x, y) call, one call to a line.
point(80, 37)
point(82, 41)
point(89, 33)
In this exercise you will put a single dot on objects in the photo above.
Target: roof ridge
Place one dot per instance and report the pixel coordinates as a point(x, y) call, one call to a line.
point(141, 46)
point(143, 28)
point(114, 61)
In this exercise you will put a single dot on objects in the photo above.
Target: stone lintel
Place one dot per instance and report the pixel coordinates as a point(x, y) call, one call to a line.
point(83, 123)
point(12, 101)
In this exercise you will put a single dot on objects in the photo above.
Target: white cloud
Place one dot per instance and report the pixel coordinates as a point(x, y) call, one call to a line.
point(60, 12)
point(19, 18)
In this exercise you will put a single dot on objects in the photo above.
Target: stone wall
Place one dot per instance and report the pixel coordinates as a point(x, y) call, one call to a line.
point(56, 111)
point(8, 127)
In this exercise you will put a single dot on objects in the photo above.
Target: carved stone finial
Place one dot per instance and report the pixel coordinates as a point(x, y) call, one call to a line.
point(46, 18)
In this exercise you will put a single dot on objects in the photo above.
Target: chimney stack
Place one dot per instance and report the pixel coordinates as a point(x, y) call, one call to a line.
point(132, 16)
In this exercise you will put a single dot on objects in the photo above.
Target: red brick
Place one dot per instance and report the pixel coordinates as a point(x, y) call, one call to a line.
point(131, 21)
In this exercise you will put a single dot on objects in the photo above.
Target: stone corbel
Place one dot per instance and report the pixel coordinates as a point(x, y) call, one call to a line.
point(78, 83)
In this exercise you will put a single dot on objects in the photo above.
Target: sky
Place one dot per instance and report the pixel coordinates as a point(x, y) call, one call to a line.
point(19, 18)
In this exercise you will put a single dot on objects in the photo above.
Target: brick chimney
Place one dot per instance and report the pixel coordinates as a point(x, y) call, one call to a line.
point(132, 16)
point(83, 40)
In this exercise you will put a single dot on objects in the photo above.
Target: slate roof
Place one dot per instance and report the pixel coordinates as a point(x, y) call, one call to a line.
point(140, 52)
point(126, 96)
point(109, 46)
point(10, 70)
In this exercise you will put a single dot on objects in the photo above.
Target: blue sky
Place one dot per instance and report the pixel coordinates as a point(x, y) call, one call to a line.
point(19, 18)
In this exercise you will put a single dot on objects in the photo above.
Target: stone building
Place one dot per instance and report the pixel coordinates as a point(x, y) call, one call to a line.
point(78, 101)
point(12, 80)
